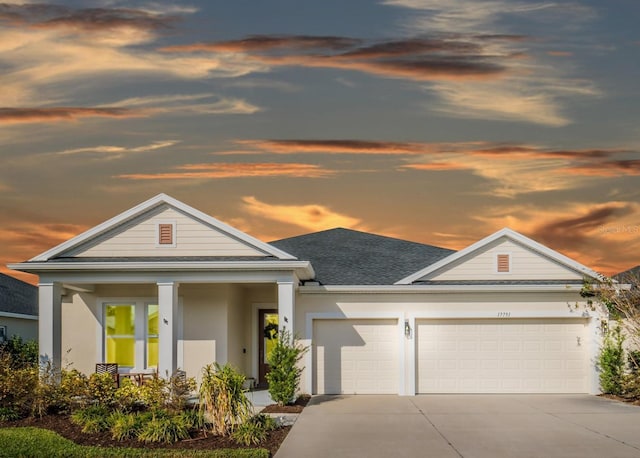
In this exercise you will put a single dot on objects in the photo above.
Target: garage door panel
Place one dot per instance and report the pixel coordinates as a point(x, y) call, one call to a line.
point(356, 356)
point(498, 356)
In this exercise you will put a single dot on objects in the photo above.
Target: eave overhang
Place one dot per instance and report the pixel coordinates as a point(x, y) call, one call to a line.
point(437, 289)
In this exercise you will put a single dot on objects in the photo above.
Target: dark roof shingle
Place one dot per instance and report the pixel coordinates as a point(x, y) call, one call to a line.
point(347, 257)
point(17, 296)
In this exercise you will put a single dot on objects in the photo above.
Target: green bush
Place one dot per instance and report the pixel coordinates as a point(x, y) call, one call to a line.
point(93, 419)
point(284, 373)
point(128, 397)
point(164, 428)
point(254, 431)
point(9, 414)
point(222, 398)
point(125, 425)
point(17, 385)
point(612, 362)
point(22, 354)
point(102, 389)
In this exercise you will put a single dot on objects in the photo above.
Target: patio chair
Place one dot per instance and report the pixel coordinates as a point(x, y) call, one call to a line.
point(109, 368)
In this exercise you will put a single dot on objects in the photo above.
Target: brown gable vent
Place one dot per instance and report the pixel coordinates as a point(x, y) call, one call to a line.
point(503, 263)
point(165, 234)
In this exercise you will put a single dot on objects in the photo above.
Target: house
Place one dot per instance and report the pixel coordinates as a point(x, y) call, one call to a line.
point(18, 309)
point(164, 286)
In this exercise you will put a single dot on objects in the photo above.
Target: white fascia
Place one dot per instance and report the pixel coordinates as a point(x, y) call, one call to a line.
point(425, 289)
point(303, 269)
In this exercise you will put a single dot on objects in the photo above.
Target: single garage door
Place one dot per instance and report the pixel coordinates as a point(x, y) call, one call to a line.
point(355, 356)
point(502, 356)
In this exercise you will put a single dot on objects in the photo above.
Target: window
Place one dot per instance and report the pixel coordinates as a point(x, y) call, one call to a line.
point(131, 334)
point(502, 263)
point(3, 334)
point(166, 234)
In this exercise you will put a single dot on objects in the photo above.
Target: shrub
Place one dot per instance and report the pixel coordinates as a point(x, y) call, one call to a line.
point(9, 414)
point(22, 354)
point(180, 388)
point(164, 427)
point(254, 430)
point(154, 393)
point(102, 389)
point(193, 418)
point(17, 385)
point(284, 374)
point(222, 398)
point(127, 397)
point(93, 419)
point(126, 425)
point(612, 362)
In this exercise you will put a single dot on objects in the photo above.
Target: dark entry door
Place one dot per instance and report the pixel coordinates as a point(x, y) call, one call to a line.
point(268, 333)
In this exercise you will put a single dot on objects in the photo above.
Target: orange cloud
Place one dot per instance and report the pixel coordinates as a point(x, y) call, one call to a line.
point(233, 170)
point(56, 114)
point(560, 53)
point(607, 168)
point(89, 19)
point(420, 59)
point(437, 166)
point(311, 217)
point(337, 146)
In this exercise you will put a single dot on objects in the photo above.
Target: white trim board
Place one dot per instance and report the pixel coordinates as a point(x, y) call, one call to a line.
point(23, 316)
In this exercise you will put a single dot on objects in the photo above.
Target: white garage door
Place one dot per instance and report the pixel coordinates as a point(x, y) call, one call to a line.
point(355, 356)
point(502, 356)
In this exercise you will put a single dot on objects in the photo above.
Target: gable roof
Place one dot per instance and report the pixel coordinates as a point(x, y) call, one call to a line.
point(511, 235)
point(17, 296)
point(144, 207)
point(628, 275)
point(348, 257)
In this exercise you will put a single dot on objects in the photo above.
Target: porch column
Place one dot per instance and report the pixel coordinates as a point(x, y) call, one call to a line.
point(167, 328)
point(49, 324)
point(286, 305)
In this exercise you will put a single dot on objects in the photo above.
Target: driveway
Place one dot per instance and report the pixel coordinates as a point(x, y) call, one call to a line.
point(469, 426)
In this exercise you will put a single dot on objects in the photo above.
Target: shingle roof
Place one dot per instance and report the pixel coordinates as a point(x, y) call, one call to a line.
point(631, 275)
point(347, 257)
point(17, 296)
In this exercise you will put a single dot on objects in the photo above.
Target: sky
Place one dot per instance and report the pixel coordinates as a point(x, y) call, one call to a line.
point(432, 121)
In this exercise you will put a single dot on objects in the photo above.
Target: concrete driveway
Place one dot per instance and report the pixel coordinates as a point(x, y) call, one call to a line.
point(466, 426)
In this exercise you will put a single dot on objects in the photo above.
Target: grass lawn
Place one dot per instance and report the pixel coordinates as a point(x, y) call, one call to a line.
point(37, 442)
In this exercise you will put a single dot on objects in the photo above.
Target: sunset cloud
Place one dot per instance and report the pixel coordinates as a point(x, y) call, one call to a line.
point(235, 170)
point(311, 217)
point(117, 152)
point(294, 146)
point(418, 59)
point(629, 167)
point(604, 236)
point(55, 114)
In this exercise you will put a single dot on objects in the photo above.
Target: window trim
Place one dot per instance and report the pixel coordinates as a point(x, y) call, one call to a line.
point(141, 303)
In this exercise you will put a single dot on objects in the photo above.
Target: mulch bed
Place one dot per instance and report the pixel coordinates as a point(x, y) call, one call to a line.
point(62, 425)
point(635, 402)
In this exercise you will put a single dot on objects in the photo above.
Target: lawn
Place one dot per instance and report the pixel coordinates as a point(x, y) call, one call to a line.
point(37, 442)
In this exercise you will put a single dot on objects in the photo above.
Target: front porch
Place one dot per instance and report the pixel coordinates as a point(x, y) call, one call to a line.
point(163, 325)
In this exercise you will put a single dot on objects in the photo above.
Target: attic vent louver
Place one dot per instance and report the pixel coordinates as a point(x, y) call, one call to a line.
point(165, 234)
point(503, 263)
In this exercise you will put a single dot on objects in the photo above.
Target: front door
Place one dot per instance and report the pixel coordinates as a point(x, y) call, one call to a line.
point(268, 333)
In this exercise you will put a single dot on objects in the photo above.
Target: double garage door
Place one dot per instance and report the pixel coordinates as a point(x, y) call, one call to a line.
point(453, 356)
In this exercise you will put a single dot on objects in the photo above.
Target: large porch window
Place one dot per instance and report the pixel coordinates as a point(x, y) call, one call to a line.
point(131, 334)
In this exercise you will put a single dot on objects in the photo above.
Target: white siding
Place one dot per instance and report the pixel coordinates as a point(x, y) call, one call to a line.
point(139, 238)
point(525, 264)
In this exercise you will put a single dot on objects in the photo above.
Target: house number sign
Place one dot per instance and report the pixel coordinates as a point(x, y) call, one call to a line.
point(504, 314)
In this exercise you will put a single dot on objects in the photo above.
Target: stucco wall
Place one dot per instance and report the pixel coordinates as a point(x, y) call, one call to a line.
point(25, 328)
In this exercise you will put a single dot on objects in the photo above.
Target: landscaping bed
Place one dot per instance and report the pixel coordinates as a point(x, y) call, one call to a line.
point(62, 425)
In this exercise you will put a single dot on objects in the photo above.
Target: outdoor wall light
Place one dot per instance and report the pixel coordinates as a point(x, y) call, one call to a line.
point(407, 328)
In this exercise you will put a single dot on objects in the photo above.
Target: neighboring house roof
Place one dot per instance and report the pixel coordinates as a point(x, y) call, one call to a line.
point(504, 233)
point(17, 296)
point(348, 257)
point(630, 274)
